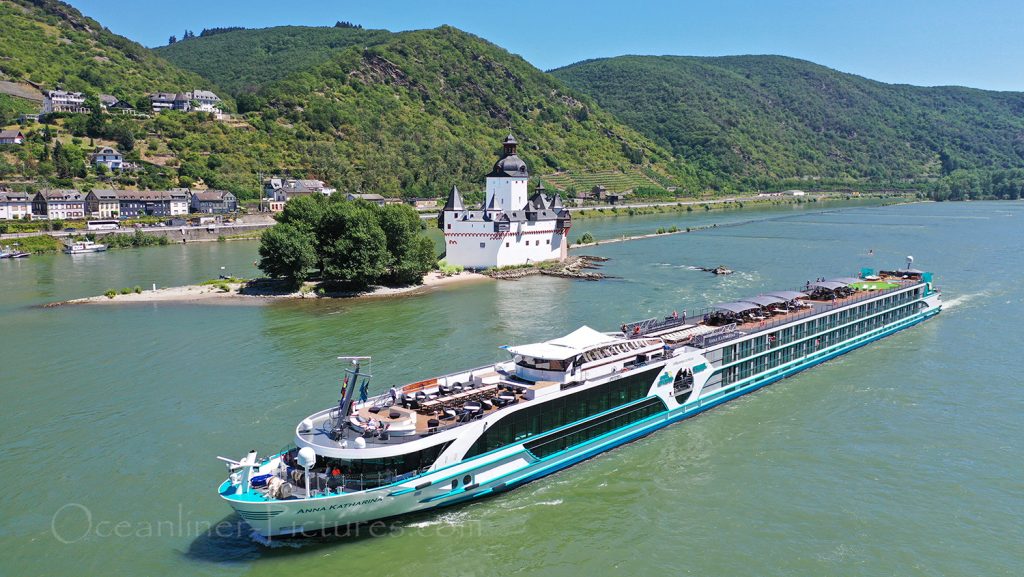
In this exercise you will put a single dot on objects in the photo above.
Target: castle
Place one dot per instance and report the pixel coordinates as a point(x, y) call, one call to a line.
point(512, 227)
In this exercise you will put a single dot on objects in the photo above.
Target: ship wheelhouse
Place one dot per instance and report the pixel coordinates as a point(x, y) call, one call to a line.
point(582, 354)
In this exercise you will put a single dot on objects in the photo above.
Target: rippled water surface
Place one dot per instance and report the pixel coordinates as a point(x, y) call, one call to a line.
point(902, 458)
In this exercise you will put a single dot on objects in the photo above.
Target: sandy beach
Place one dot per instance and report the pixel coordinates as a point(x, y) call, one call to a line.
point(235, 294)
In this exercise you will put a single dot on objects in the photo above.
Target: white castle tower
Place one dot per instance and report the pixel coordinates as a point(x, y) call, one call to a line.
point(511, 227)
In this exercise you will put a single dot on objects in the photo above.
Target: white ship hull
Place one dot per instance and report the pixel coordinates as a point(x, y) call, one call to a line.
point(513, 465)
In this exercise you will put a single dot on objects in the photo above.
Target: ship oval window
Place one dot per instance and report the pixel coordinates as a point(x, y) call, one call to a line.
point(467, 480)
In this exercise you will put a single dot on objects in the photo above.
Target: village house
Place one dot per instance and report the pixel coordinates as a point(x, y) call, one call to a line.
point(374, 198)
point(422, 203)
point(12, 136)
point(203, 101)
point(15, 205)
point(196, 101)
point(136, 203)
point(512, 227)
point(102, 203)
point(214, 202)
point(279, 191)
point(62, 101)
point(110, 157)
point(58, 204)
point(112, 103)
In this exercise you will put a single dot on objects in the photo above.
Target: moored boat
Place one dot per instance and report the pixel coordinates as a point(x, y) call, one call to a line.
point(481, 431)
point(84, 246)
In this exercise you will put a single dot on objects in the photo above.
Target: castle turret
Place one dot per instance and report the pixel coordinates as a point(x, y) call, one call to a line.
point(507, 181)
point(511, 227)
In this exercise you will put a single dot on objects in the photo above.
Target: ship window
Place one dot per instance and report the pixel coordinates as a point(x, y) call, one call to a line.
point(545, 416)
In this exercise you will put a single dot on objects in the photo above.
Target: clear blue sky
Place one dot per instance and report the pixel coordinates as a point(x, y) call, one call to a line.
point(924, 42)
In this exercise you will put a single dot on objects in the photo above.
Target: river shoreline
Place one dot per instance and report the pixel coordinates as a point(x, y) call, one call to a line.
point(239, 293)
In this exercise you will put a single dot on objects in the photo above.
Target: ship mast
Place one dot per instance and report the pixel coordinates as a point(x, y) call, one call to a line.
point(352, 376)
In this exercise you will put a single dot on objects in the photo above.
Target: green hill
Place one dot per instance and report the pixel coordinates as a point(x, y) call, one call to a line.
point(759, 119)
point(410, 115)
point(242, 61)
point(49, 43)
point(426, 109)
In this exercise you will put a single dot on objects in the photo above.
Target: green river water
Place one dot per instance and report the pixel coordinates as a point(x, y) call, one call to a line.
point(901, 458)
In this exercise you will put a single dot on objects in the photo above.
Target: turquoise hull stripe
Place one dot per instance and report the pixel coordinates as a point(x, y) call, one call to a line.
point(659, 421)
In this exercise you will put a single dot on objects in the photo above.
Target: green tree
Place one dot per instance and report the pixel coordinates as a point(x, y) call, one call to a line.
point(287, 252)
point(413, 253)
point(353, 247)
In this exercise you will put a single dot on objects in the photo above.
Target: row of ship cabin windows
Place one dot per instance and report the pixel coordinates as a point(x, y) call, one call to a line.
point(789, 334)
point(801, 349)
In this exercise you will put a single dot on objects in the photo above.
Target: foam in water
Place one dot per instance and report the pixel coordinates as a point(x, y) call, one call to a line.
point(962, 300)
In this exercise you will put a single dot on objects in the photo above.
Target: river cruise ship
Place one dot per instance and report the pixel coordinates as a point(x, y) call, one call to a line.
point(478, 432)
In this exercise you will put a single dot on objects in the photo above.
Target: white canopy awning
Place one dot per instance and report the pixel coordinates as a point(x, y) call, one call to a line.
point(572, 344)
point(788, 295)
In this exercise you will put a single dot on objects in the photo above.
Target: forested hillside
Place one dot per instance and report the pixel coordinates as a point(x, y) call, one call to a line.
point(759, 119)
point(242, 61)
point(49, 43)
point(412, 113)
point(409, 116)
point(426, 109)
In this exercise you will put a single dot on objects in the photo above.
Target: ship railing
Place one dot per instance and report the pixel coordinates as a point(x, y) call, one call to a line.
point(322, 484)
point(818, 308)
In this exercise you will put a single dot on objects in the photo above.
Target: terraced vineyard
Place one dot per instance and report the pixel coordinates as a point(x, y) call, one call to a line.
point(613, 180)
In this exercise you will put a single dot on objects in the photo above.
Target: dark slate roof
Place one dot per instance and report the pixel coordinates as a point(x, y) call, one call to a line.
point(510, 165)
point(105, 194)
point(214, 195)
point(454, 201)
point(68, 194)
point(556, 203)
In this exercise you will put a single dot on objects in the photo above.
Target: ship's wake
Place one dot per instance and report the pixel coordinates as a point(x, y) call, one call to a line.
point(961, 300)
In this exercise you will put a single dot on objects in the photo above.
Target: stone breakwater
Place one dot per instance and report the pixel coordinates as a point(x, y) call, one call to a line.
point(575, 267)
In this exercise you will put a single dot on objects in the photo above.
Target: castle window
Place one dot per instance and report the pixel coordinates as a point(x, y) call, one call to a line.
point(449, 226)
point(483, 245)
point(506, 245)
point(549, 241)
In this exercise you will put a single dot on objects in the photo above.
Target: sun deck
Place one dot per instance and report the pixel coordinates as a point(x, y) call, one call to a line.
point(382, 421)
point(766, 312)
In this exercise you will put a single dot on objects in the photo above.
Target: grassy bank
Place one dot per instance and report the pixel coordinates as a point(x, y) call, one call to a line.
point(41, 244)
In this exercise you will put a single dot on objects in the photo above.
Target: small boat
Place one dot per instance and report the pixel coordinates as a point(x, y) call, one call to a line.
point(84, 246)
point(8, 253)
